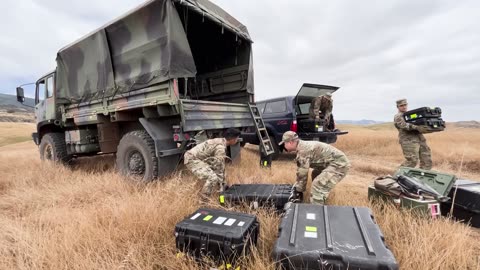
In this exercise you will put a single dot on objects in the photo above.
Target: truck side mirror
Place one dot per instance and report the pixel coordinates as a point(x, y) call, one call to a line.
point(20, 95)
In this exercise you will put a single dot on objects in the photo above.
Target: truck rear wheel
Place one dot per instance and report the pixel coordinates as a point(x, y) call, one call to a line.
point(136, 156)
point(52, 147)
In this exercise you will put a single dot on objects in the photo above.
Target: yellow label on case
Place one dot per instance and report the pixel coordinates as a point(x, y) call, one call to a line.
point(222, 199)
point(310, 229)
point(413, 116)
point(207, 218)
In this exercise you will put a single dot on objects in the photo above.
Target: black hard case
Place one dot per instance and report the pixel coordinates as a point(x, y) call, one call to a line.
point(466, 206)
point(265, 195)
point(423, 112)
point(219, 234)
point(432, 123)
point(331, 237)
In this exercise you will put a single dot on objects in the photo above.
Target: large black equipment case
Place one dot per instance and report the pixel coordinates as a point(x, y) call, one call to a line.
point(331, 237)
point(466, 205)
point(433, 124)
point(257, 195)
point(424, 112)
point(216, 233)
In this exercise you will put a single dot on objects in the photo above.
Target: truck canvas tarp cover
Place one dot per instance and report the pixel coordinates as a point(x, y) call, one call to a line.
point(142, 48)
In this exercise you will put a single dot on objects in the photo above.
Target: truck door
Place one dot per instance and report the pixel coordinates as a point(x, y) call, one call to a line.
point(45, 110)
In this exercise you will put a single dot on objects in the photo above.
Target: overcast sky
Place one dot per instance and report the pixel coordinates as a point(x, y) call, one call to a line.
point(377, 51)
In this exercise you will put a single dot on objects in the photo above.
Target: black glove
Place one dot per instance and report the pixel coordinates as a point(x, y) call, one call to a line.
point(296, 196)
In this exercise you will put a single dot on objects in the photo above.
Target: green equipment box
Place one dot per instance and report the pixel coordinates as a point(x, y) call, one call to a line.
point(440, 182)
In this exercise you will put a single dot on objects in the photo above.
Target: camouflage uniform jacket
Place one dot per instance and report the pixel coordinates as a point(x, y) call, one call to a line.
point(312, 154)
point(406, 132)
point(322, 103)
point(210, 151)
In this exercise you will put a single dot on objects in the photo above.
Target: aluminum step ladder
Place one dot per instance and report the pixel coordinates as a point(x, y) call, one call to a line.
point(266, 147)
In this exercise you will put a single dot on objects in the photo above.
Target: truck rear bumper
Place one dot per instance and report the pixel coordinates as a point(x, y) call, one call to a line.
point(326, 137)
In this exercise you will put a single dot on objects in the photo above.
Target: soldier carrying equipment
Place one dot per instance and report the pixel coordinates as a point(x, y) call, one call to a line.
point(329, 165)
point(207, 161)
point(321, 108)
point(411, 140)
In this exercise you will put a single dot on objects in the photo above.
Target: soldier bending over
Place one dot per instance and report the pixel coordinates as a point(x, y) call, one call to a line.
point(207, 161)
point(329, 165)
point(322, 105)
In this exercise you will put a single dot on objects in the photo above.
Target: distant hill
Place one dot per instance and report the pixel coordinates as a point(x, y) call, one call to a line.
point(10, 102)
point(13, 111)
point(362, 122)
point(466, 124)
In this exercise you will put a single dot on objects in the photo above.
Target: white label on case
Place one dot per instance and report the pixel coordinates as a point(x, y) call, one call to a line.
point(230, 222)
point(241, 223)
point(311, 216)
point(219, 220)
point(311, 235)
point(195, 216)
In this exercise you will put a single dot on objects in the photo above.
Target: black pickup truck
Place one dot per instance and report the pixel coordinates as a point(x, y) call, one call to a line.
point(292, 113)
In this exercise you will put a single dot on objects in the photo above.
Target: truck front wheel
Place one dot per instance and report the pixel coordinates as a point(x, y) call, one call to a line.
point(52, 147)
point(136, 156)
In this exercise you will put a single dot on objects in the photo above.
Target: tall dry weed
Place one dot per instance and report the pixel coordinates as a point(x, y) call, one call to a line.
point(86, 216)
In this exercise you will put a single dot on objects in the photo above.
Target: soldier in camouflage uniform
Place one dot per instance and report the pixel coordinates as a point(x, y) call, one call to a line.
point(413, 142)
point(322, 105)
point(207, 160)
point(329, 165)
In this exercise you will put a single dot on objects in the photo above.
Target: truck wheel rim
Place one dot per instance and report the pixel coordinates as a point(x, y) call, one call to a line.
point(48, 154)
point(136, 163)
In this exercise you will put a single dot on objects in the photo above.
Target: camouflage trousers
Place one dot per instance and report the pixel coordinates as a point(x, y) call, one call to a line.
point(210, 172)
point(324, 180)
point(413, 151)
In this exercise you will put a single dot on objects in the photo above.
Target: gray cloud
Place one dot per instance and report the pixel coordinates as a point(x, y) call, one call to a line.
point(376, 51)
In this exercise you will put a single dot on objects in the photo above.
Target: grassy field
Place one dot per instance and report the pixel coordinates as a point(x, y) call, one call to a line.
point(89, 217)
point(11, 133)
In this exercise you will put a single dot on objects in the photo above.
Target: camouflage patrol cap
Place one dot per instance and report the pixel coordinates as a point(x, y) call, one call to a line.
point(288, 136)
point(402, 101)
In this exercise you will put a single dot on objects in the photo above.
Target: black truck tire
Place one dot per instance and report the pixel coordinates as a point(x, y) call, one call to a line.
point(52, 147)
point(136, 156)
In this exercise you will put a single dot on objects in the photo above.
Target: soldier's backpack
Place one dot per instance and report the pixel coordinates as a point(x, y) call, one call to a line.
point(388, 185)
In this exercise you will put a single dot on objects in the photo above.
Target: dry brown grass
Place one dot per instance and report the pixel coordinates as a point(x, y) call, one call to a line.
point(18, 116)
point(15, 132)
point(88, 217)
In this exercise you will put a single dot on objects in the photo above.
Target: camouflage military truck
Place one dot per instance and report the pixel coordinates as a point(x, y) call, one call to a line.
point(144, 85)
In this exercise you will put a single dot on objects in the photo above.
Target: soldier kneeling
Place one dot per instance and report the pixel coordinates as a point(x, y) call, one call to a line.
point(329, 165)
point(207, 161)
